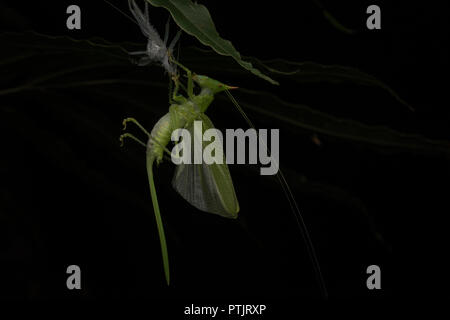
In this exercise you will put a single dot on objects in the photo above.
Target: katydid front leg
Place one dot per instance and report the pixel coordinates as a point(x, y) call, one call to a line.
point(190, 88)
point(150, 159)
point(129, 135)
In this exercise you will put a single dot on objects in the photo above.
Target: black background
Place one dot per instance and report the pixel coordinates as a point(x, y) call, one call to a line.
point(73, 196)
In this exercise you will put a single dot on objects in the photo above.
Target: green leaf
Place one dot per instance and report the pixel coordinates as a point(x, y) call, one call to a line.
point(68, 63)
point(300, 72)
point(195, 20)
point(303, 72)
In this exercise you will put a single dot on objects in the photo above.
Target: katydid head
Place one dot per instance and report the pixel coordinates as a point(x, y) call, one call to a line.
point(211, 84)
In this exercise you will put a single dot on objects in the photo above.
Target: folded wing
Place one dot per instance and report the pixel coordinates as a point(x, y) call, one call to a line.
point(207, 187)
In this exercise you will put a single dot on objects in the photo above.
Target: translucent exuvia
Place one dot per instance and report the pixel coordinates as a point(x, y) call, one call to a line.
point(157, 50)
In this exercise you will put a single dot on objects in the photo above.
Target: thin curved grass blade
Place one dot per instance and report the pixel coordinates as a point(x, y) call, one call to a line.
point(159, 223)
point(194, 19)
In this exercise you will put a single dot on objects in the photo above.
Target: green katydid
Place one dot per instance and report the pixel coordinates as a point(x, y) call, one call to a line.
point(210, 186)
point(207, 187)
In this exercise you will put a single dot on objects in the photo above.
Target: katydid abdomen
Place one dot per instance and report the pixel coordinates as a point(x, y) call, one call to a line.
point(159, 138)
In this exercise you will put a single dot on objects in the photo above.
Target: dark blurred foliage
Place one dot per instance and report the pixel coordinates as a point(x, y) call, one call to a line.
point(71, 195)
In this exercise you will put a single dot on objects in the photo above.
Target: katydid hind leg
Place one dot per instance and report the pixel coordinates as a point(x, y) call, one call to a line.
point(190, 88)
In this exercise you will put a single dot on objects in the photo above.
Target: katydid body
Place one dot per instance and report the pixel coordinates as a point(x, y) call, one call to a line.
point(207, 187)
